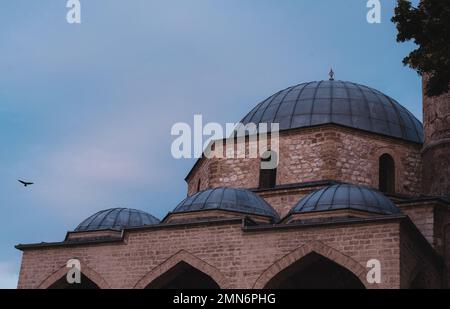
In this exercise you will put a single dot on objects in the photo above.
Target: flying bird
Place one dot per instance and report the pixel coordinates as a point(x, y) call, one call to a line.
point(25, 183)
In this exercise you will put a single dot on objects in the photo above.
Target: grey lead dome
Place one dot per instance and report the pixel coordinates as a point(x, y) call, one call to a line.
point(116, 219)
point(337, 102)
point(238, 200)
point(346, 196)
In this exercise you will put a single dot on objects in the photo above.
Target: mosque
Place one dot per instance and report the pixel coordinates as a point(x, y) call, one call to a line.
point(359, 179)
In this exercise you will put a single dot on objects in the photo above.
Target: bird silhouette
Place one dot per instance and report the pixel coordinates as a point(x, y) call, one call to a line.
point(25, 183)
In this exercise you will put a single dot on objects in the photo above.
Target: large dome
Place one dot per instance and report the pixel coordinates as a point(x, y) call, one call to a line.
point(238, 200)
point(116, 219)
point(338, 102)
point(346, 196)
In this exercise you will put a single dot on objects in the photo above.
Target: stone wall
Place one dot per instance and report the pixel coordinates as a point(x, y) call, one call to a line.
point(322, 153)
point(201, 176)
point(284, 200)
point(423, 216)
point(234, 257)
point(436, 117)
point(442, 232)
point(436, 152)
point(417, 267)
point(432, 219)
point(436, 169)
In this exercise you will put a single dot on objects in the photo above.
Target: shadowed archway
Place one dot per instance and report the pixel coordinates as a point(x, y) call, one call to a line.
point(419, 282)
point(309, 259)
point(315, 272)
point(89, 276)
point(85, 284)
point(183, 264)
point(183, 276)
point(422, 278)
point(90, 279)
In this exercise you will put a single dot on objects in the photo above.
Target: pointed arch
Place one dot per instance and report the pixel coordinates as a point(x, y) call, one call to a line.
point(314, 247)
point(183, 257)
point(91, 274)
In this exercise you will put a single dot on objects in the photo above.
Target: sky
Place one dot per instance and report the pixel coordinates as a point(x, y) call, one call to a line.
point(86, 109)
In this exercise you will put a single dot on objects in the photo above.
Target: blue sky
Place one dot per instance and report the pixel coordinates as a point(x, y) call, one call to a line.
point(86, 110)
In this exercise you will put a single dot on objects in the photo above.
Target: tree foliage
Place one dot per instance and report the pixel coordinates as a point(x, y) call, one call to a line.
point(428, 26)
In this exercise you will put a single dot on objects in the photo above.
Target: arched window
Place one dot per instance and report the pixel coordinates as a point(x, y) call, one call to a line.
point(199, 184)
point(387, 174)
point(268, 170)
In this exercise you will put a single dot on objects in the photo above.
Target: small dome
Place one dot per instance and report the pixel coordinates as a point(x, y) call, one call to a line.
point(346, 196)
point(238, 200)
point(337, 102)
point(116, 219)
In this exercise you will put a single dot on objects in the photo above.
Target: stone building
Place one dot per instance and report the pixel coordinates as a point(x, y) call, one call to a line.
point(359, 179)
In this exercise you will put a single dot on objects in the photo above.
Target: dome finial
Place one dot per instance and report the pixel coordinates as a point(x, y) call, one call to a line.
point(331, 74)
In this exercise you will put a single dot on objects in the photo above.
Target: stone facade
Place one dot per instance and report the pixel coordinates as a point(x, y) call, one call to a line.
point(317, 154)
point(227, 248)
point(233, 255)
